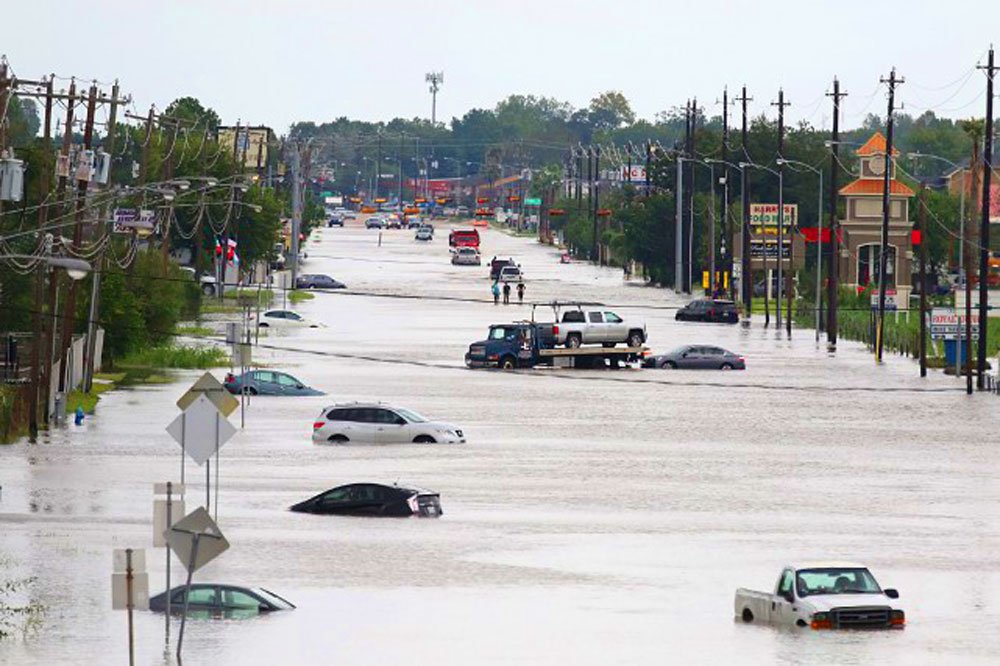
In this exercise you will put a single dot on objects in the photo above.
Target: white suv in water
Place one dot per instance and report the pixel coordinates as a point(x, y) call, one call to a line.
point(378, 423)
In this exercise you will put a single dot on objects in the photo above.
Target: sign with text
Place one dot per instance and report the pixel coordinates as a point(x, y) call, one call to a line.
point(764, 217)
point(891, 304)
point(760, 249)
point(947, 324)
point(124, 220)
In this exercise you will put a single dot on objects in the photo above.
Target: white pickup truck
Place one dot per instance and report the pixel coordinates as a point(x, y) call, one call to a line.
point(823, 596)
point(592, 323)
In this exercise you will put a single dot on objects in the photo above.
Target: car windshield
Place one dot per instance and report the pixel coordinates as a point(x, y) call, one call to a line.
point(835, 581)
point(411, 416)
point(273, 598)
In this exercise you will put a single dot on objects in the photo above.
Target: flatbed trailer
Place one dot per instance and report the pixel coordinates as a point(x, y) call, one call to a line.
point(591, 357)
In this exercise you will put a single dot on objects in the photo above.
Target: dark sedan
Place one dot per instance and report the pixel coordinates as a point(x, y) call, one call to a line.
point(219, 600)
point(267, 382)
point(318, 281)
point(697, 357)
point(373, 499)
point(709, 309)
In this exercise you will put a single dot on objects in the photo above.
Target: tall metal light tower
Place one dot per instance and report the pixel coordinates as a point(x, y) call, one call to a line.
point(435, 79)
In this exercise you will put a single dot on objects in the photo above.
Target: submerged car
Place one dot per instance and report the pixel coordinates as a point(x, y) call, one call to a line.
point(280, 318)
point(380, 424)
point(373, 499)
point(823, 596)
point(267, 382)
point(424, 234)
point(318, 281)
point(374, 223)
point(697, 357)
point(709, 309)
point(221, 600)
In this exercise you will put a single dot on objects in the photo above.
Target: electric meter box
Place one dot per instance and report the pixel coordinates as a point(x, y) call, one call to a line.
point(11, 179)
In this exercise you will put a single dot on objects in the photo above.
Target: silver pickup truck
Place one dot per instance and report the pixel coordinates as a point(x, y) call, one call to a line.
point(592, 323)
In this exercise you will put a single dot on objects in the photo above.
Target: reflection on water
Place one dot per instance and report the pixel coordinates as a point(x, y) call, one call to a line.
point(594, 517)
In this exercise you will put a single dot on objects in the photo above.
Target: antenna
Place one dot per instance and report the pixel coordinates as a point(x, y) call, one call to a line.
point(435, 79)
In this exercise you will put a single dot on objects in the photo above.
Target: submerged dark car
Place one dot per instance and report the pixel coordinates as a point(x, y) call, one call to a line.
point(267, 382)
point(697, 357)
point(220, 600)
point(373, 499)
point(709, 309)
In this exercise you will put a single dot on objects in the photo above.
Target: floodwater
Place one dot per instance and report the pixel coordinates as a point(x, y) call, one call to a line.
point(594, 517)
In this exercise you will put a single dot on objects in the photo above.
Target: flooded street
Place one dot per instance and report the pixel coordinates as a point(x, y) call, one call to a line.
point(593, 517)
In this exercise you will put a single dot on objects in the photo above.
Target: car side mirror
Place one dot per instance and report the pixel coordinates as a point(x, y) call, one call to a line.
point(400, 421)
point(299, 386)
point(684, 355)
point(891, 593)
point(788, 596)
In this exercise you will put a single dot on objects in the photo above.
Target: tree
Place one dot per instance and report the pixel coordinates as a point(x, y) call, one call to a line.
point(610, 110)
point(189, 108)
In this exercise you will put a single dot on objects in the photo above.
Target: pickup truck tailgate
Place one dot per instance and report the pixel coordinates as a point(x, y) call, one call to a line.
point(758, 603)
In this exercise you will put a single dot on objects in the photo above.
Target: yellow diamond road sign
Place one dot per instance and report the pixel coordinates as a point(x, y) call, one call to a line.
point(212, 389)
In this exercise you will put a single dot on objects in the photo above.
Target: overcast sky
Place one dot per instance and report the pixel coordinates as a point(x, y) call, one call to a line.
point(280, 61)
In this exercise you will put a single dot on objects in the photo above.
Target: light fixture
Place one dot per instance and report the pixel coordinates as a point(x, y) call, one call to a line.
point(76, 269)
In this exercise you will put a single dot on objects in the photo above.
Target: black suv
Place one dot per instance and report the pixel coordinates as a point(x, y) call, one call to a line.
point(707, 309)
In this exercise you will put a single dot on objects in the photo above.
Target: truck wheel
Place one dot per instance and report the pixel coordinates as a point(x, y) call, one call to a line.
point(573, 341)
point(208, 290)
point(507, 363)
point(747, 615)
point(635, 339)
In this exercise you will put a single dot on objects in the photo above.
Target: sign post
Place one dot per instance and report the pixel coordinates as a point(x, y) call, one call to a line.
point(196, 540)
point(201, 430)
point(129, 588)
point(164, 512)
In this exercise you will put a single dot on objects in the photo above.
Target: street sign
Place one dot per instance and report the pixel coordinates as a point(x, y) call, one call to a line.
point(532, 201)
point(129, 562)
point(761, 248)
point(201, 430)
point(213, 389)
point(124, 220)
point(160, 518)
point(946, 324)
point(242, 355)
point(181, 539)
point(890, 300)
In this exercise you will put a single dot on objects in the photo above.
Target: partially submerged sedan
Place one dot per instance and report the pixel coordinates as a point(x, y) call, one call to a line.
point(378, 423)
point(267, 382)
point(697, 357)
point(373, 499)
point(220, 600)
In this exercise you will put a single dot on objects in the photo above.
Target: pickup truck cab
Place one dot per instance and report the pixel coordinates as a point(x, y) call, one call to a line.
point(510, 346)
point(823, 596)
point(594, 324)
point(463, 238)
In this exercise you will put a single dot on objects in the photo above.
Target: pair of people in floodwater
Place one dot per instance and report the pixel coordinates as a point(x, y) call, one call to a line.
point(506, 293)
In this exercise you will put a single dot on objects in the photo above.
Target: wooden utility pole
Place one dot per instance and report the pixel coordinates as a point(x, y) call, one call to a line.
point(725, 247)
point(746, 279)
point(785, 283)
point(883, 260)
point(833, 273)
point(967, 268)
point(984, 225)
point(38, 336)
point(922, 229)
point(69, 309)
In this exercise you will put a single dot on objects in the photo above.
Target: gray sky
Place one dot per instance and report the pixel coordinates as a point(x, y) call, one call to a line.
point(277, 61)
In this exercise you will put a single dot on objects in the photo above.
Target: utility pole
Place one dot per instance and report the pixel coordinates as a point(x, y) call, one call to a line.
point(746, 279)
point(781, 104)
point(649, 153)
point(399, 159)
point(108, 147)
point(922, 228)
point(579, 179)
point(378, 166)
point(725, 249)
point(38, 337)
point(832, 286)
point(296, 212)
point(689, 225)
point(596, 250)
point(967, 269)
point(886, 182)
point(69, 309)
point(984, 225)
point(679, 225)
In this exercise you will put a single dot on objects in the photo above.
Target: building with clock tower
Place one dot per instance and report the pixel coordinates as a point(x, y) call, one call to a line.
point(862, 225)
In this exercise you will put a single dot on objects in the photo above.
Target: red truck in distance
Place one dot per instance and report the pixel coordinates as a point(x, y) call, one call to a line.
point(464, 238)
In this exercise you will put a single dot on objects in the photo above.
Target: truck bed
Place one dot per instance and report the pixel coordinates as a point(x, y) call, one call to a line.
point(594, 351)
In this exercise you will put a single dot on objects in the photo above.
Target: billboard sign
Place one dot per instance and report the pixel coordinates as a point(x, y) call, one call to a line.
point(946, 324)
point(760, 249)
point(636, 174)
point(124, 220)
point(764, 217)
